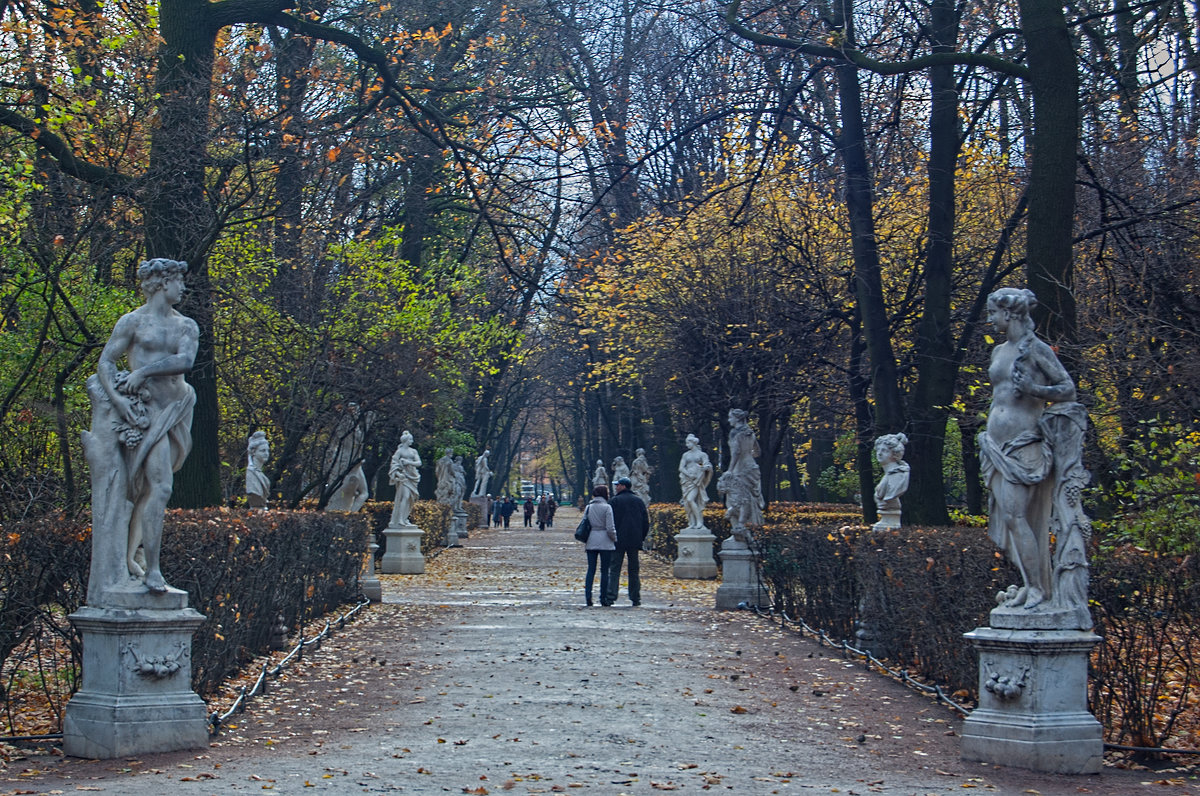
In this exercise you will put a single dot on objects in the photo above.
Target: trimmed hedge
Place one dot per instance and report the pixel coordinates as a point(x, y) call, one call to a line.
point(430, 516)
point(242, 570)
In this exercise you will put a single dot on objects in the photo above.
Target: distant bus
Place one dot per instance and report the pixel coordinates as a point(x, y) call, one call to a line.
point(526, 488)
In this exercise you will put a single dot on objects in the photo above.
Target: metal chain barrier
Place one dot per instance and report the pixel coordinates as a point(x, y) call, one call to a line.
point(217, 720)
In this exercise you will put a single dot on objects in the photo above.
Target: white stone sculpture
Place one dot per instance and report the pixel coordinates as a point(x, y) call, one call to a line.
point(483, 474)
point(405, 473)
point(889, 452)
point(600, 476)
point(741, 483)
point(619, 469)
point(141, 431)
point(136, 695)
point(639, 474)
point(695, 473)
point(444, 469)
point(1031, 458)
point(344, 461)
point(258, 485)
point(1033, 656)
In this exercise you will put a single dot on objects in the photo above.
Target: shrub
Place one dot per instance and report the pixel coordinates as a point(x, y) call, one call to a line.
point(430, 516)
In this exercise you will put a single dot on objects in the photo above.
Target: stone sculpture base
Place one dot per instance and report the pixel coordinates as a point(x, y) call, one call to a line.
point(485, 515)
point(402, 552)
point(137, 695)
point(1033, 702)
point(372, 589)
point(739, 576)
point(457, 530)
point(888, 518)
point(695, 561)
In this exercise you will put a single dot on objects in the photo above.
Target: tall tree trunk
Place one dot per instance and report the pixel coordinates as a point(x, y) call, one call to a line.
point(860, 206)
point(937, 359)
point(1054, 82)
point(180, 222)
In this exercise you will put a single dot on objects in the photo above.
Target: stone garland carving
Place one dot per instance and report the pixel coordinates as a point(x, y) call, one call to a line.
point(1031, 456)
point(158, 667)
point(141, 431)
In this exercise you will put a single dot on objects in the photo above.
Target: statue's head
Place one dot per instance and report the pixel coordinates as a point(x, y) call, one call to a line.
point(406, 438)
point(257, 444)
point(738, 417)
point(1018, 302)
point(692, 441)
point(890, 446)
point(153, 274)
point(641, 451)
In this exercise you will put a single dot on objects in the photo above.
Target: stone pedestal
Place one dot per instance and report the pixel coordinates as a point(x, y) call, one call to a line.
point(137, 694)
point(402, 553)
point(739, 577)
point(888, 518)
point(1033, 701)
point(372, 589)
point(695, 559)
point(484, 515)
point(458, 528)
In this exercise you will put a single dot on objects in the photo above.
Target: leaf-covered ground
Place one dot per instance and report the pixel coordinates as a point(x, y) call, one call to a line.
point(486, 674)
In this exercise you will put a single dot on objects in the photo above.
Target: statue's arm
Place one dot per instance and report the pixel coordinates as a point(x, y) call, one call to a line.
point(1060, 386)
point(118, 343)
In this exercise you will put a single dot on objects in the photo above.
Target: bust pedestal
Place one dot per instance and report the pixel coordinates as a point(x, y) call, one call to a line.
point(402, 552)
point(137, 693)
point(372, 589)
point(695, 560)
point(1033, 701)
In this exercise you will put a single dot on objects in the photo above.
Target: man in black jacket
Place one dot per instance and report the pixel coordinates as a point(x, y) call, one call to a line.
point(633, 526)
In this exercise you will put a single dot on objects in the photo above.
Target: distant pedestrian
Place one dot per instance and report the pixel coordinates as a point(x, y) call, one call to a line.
point(497, 512)
point(507, 509)
point(543, 513)
point(550, 509)
point(600, 544)
point(633, 525)
point(528, 512)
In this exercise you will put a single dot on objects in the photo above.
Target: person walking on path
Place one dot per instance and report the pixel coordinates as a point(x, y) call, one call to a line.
point(633, 526)
point(543, 512)
point(528, 512)
point(497, 512)
point(601, 543)
point(551, 507)
point(507, 510)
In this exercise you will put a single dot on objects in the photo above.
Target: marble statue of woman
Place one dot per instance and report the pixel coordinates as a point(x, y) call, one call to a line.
point(343, 461)
point(639, 474)
point(695, 473)
point(444, 469)
point(143, 416)
point(405, 473)
point(741, 483)
point(258, 486)
point(483, 474)
point(460, 482)
point(619, 469)
point(1030, 453)
point(600, 476)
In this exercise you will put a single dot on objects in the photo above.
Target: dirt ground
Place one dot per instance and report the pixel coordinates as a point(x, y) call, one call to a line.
point(487, 674)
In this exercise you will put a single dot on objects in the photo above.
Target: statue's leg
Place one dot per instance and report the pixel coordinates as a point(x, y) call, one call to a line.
point(151, 507)
point(1013, 501)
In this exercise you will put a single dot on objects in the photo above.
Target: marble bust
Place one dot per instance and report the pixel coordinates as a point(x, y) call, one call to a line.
point(889, 452)
point(258, 485)
point(141, 431)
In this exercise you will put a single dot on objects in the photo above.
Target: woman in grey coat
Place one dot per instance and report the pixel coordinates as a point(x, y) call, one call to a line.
point(601, 542)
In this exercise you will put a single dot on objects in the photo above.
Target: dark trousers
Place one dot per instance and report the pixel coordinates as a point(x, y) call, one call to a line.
point(635, 576)
point(604, 558)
